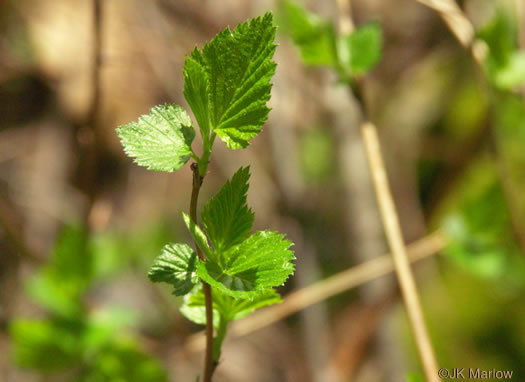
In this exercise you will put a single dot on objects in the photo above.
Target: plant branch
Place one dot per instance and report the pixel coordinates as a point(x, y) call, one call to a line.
point(391, 223)
point(399, 253)
point(209, 363)
point(345, 23)
point(87, 135)
point(329, 287)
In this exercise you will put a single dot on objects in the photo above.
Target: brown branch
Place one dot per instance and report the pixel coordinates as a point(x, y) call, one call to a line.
point(209, 364)
point(345, 22)
point(399, 253)
point(87, 139)
point(392, 226)
point(324, 289)
point(96, 64)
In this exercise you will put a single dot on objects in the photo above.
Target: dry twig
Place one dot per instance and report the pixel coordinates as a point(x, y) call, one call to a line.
point(399, 253)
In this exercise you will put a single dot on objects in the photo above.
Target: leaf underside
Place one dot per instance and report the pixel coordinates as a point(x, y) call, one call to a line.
point(175, 266)
point(161, 140)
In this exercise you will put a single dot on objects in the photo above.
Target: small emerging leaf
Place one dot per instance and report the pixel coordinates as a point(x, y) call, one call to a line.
point(235, 308)
point(226, 217)
point(160, 140)
point(227, 83)
point(260, 262)
point(196, 93)
point(225, 307)
point(176, 266)
point(198, 235)
point(193, 307)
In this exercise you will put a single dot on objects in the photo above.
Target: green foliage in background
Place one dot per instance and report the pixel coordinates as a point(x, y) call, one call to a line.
point(315, 37)
point(505, 64)
point(316, 155)
point(415, 378)
point(483, 248)
point(227, 85)
point(88, 345)
point(473, 313)
point(479, 228)
point(478, 221)
point(351, 55)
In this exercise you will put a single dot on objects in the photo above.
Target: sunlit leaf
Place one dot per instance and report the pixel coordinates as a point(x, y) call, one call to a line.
point(160, 140)
point(198, 236)
point(225, 306)
point(260, 262)
point(227, 83)
point(226, 218)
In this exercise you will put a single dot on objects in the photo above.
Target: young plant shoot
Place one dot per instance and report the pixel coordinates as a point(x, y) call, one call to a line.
point(231, 272)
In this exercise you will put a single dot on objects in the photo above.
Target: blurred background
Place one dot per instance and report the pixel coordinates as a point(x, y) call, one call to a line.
point(80, 223)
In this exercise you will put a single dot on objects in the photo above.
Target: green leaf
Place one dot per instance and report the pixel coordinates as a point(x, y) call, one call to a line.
point(225, 306)
point(260, 262)
point(198, 235)
point(226, 218)
point(315, 38)
point(194, 308)
point(227, 83)
point(363, 48)
point(196, 92)
point(161, 140)
point(236, 308)
point(176, 266)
